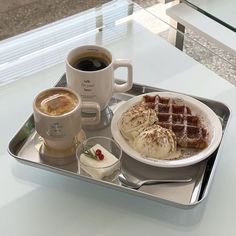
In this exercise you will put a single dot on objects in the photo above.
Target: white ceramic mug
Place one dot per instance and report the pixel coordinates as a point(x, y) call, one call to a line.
point(60, 120)
point(99, 85)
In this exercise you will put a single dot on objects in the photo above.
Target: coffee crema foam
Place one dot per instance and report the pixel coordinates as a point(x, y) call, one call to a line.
point(56, 102)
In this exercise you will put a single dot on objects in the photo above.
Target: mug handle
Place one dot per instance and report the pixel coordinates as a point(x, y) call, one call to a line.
point(128, 85)
point(97, 116)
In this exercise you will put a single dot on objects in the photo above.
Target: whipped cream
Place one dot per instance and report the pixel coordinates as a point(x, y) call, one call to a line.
point(135, 120)
point(157, 142)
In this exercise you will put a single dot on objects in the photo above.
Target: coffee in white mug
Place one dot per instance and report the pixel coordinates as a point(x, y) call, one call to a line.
point(91, 62)
point(90, 72)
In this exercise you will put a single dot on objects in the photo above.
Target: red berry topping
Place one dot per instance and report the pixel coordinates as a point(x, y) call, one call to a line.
point(101, 157)
point(98, 152)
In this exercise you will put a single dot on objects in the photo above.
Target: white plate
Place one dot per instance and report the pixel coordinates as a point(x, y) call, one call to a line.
point(210, 120)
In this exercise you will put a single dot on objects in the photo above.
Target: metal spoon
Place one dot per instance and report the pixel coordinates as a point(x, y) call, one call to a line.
point(138, 183)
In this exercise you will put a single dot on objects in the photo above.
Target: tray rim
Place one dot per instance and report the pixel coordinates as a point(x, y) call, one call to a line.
point(122, 188)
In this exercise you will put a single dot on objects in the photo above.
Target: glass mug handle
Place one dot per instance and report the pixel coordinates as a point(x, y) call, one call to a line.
point(97, 116)
point(127, 85)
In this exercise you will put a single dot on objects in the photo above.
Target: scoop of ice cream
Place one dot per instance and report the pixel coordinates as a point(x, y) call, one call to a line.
point(156, 142)
point(135, 120)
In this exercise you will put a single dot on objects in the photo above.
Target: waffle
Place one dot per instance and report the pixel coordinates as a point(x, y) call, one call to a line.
point(173, 114)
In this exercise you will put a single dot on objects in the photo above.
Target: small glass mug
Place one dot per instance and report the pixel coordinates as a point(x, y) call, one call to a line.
point(107, 169)
point(58, 130)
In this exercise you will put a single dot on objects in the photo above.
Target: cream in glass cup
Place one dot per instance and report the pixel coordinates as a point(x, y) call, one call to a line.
point(99, 158)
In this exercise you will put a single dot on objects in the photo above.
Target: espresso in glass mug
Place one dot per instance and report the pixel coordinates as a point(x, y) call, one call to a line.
point(90, 72)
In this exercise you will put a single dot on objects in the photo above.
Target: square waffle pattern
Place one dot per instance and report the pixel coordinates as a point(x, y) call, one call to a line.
point(173, 114)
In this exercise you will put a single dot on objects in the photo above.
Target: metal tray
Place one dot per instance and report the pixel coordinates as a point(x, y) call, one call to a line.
point(23, 147)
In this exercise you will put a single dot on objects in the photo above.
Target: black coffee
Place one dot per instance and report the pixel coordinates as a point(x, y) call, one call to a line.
point(91, 63)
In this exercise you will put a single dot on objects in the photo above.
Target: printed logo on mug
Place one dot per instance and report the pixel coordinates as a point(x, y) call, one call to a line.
point(90, 72)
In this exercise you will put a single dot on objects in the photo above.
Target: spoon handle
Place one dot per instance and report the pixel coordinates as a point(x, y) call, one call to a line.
point(155, 181)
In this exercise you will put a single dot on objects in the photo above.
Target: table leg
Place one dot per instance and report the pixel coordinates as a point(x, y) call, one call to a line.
point(179, 42)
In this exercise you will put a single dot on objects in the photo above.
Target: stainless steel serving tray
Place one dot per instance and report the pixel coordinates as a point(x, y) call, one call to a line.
point(23, 147)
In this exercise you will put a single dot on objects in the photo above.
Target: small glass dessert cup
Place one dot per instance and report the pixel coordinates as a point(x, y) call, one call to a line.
point(99, 158)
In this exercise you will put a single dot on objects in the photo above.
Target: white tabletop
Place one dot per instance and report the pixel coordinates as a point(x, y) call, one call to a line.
point(38, 202)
